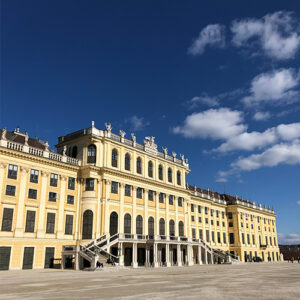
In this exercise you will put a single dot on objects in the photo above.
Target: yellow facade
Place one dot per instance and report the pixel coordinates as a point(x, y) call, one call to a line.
point(115, 174)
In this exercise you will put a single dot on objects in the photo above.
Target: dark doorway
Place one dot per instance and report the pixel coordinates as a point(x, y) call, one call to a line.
point(87, 227)
point(183, 254)
point(28, 257)
point(128, 257)
point(68, 262)
point(4, 257)
point(86, 263)
point(114, 251)
point(163, 255)
point(151, 255)
point(174, 256)
point(49, 257)
point(113, 223)
point(141, 256)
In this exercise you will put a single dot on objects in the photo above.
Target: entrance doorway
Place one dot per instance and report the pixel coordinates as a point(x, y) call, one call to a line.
point(28, 257)
point(151, 255)
point(174, 256)
point(4, 257)
point(128, 257)
point(163, 255)
point(141, 256)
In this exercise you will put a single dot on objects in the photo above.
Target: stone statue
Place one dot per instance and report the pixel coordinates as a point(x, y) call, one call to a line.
point(133, 136)
point(46, 146)
point(26, 138)
point(3, 135)
point(174, 154)
point(122, 133)
point(64, 150)
point(93, 123)
point(165, 149)
point(182, 157)
point(108, 127)
point(149, 142)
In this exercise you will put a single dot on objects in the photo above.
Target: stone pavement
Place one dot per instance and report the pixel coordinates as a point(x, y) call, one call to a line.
point(242, 281)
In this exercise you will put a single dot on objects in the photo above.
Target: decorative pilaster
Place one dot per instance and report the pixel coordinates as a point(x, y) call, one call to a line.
point(156, 231)
point(106, 205)
point(2, 168)
point(146, 212)
point(167, 233)
point(98, 220)
point(176, 216)
point(133, 210)
point(134, 260)
point(168, 255)
point(179, 255)
point(40, 229)
point(121, 216)
point(20, 211)
point(60, 229)
point(186, 213)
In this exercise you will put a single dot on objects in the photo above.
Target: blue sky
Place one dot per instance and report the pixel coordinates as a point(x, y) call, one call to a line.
point(218, 82)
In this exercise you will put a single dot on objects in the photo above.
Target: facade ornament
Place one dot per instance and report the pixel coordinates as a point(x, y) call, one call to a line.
point(3, 135)
point(133, 136)
point(149, 145)
point(46, 146)
point(108, 127)
point(174, 154)
point(165, 150)
point(122, 134)
point(182, 157)
point(64, 150)
point(93, 123)
point(26, 138)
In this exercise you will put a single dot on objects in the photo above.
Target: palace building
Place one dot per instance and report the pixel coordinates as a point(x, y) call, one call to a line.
point(104, 197)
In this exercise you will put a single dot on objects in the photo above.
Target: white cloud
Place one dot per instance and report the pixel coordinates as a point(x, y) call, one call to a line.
point(298, 202)
point(137, 123)
point(283, 153)
point(277, 34)
point(274, 87)
point(203, 99)
point(211, 35)
point(289, 239)
point(216, 124)
point(261, 116)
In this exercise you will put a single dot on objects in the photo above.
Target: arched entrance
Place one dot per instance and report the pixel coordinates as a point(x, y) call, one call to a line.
point(87, 227)
point(113, 223)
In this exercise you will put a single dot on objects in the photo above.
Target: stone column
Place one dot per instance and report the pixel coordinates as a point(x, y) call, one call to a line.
point(179, 256)
point(186, 213)
point(78, 209)
point(168, 255)
point(134, 257)
point(199, 255)
point(156, 229)
point(188, 224)
point(106, 205)
point(40, 228)
point(2, 167)
point(205, 256)
point(146, 212)
point(77, 258)
point(212, 258)
point(190, 261)
point(167, 216)
point(155, 255)
point(121, 216)
point(20, 211)
point(176, 216)
point(133, 210)
point(60, 229)
point(147, 255)
point(98, 218)
point(121, 256)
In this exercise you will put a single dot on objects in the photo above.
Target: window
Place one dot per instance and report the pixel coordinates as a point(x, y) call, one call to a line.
point(258, 219)
point(71, 183)
point(223, 215)
point(69, 224)
point(89, 184)
point(224, 237)
point(230, 224)
point(52, 197)
point(74, 152)
point(10, 190)
point(207, 236)
point(7, 219)
point(206, 210)
point(53, 179)
point(12, 172)
point(248, 239)
point(206, 220)
point(114, 187)
point(127, 162)
point(178, 178)
point(32, 194)
point(200, 220)
point(151, 226)
point(247, 225)
point(253, 239)
point(270, 241)
point(70, 199)
point(193, 233)
point(243, 238)
point(218, 223)
point(192, 208)
point(139, 225)
point(171, 199)
point(242, 224)
point(139, 193)
point(251, 226)
point(199, 209)
point(219, 237)
point(212, 222)
point(150, 169)
point(172, 227)
point(50, 223)
point(91, 157)
point(217, 213)
point(30, 221)
point(34, 176)
point(193, 218)
point(162, 227)
point(200, 234)
point(127, 223)
point(230, 215)
point(150, 195)
point(170, 175)
point(160, 172)
point(139, 165)
point(181, 228)
point(180, 201)
point(128, 190)
point(211, 212)
point(161, 197)
point(223, 224)
point(231, 238)
point(241, 215)
point(114, 158)
point(274, 241)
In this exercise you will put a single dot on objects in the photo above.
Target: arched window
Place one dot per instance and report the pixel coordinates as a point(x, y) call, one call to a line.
point(139, 165)
point(160, 172)
point(172, 227)
point(87, 225)
point(127, 161)
point(139, 225)
point(181, 228)
point(74, 152)
point(150, 169)
point(151, 226)
point(162, 227)
point(113, 223)
point(170, 175)
point(178, 178)
point(91, 158)
point(127, 223)
point(114, 158)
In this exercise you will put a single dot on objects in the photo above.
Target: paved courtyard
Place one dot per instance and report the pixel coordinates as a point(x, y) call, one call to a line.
point(242, 281)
